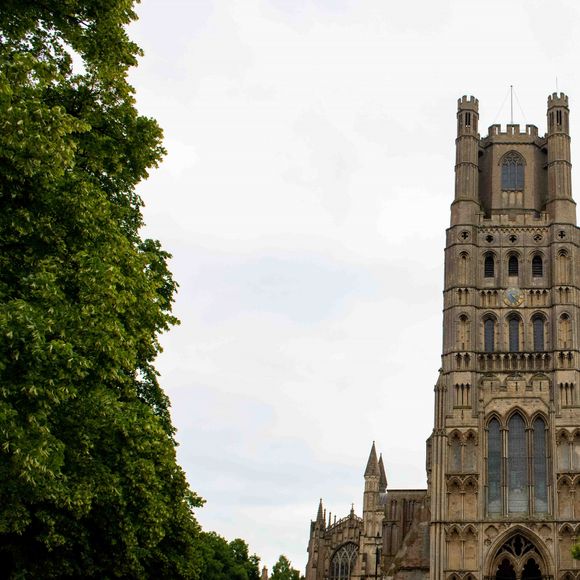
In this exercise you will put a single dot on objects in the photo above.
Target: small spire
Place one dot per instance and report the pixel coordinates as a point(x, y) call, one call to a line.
point(264, 575)
point(320, 514)
point(329, 519)
point(383, 475)
point(351, 510)
point(372, 464)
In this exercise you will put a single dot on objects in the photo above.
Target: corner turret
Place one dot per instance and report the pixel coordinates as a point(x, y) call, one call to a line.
point(466, 205)
point(560, 204)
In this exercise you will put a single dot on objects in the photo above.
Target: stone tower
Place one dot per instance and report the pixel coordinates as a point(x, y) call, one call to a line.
point(504, 473)
point(503, 461)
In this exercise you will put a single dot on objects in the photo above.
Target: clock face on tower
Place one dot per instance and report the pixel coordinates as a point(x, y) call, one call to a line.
point(513, 296)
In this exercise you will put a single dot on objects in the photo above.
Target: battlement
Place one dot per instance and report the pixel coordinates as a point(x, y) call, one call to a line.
point(512, 130)
point(469, 103)
point(557, 100)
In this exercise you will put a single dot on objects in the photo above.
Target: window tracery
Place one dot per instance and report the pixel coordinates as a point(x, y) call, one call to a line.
point(343, 561)
point(512, 172)
point(522, 487)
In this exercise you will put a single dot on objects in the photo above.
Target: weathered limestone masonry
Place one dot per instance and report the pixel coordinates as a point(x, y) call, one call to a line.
point(503, 461)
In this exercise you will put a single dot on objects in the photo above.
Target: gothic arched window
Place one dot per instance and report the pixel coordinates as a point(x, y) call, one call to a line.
point(524, 452)
point(489, 266)
point(537, 266)
point(517, 470)
point(343, 561)
point(538, 328)
point(489, 334)
point(512, 172)
point(513, 265)
point(493, 467)
point(514, 333)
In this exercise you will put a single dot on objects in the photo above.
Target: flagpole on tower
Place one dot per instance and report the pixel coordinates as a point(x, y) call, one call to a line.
point(512, 104)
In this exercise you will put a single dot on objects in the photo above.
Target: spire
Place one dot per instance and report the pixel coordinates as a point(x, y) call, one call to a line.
point(264, 573)
point(320, 514)
point(383, 475)
point(372, 464)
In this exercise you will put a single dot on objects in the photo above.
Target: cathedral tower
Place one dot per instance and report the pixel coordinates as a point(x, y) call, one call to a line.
point(503, 460)
point(504, 473)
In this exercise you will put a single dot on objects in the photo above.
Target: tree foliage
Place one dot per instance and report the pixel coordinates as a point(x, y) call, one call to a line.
point(89, 484)
point(227, 561)
point(282, 570)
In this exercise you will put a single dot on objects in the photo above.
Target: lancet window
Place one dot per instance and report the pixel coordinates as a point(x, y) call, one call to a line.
point(517, 473)
point(512, 172)
point(489, 266)
point(513, 265)
point(514, 333)
point(538, 324)
point(537, 266)
point(489, 334)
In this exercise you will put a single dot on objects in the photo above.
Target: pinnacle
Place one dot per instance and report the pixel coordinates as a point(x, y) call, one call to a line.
point(319, 515)
point(383, 475)
point(372, 468)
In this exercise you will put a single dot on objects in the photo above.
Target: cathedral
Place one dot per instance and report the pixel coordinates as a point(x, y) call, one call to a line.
point(502, 500)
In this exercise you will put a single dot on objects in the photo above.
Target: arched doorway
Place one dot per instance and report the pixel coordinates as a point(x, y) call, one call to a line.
point(518, 559)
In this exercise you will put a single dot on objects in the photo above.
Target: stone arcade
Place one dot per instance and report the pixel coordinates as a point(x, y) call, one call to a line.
point(503, 460)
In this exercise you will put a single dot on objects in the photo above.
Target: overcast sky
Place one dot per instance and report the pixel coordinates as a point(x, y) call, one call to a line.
point(304, 198)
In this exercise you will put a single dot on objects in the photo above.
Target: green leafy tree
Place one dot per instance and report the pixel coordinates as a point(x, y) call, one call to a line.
point(89, 484)
point(282, 570)
point(227, 561)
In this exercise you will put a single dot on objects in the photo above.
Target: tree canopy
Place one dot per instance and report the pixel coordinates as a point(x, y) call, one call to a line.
point(282, 570)
point(89, 483)
point(222, 560)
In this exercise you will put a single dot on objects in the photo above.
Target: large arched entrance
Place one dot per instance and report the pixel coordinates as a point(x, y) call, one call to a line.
point(518, 559)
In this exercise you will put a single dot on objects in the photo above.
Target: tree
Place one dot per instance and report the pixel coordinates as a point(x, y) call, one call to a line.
point(227, 561)
point(282, 570)
point(89, 484)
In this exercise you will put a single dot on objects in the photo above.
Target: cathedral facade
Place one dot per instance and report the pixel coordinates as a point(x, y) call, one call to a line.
point(503, 460)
